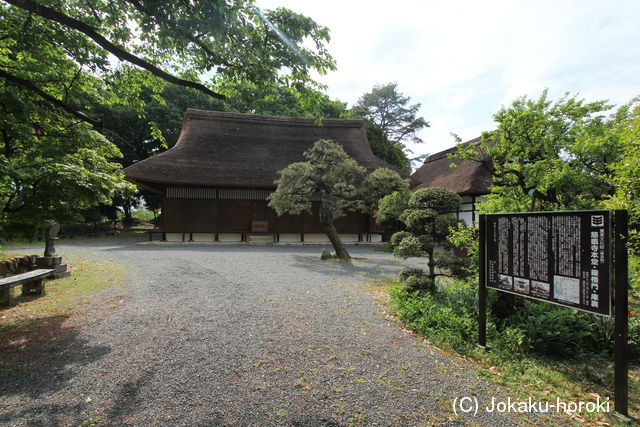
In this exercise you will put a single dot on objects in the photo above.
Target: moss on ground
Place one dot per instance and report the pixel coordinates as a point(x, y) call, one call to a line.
point(63, 296)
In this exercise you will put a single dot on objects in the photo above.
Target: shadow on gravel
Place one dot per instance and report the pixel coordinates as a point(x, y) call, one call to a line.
point(357, 266)
point(128, 399)
point(44, 415)
point(36, 356)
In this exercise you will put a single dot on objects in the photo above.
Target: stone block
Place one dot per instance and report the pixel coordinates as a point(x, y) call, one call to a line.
point(316, 238)
point(8, 297)
point(48, 261)
point(174, 237)
point(289, 237)
point(204, 237)
point(61, 271)
point(230, 237)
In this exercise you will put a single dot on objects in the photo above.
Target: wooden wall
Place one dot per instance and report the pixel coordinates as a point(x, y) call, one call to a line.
point(213, 216)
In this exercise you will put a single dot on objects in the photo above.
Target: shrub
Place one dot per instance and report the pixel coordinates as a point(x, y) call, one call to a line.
point(450, 315)
point(409, 246)
point(440, 323)
point(398, 237)
point(420, 283)
point(411, 271)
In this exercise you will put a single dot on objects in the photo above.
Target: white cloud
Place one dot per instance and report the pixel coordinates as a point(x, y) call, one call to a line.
point(463, 60)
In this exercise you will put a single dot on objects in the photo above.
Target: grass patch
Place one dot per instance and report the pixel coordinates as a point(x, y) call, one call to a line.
point(88, 276)
point(542, 351)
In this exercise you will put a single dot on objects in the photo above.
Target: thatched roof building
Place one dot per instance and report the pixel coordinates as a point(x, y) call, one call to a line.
point(218, 176)
point(469, 179)
point(243, 150)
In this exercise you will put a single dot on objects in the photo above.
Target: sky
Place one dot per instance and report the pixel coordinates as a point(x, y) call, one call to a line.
point(463, 60)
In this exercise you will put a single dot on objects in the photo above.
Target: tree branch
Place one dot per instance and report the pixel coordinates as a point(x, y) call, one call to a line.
point(55, 101)
point(193, 39)
point(121, 53)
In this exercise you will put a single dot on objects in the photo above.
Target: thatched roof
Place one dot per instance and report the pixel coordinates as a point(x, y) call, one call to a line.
point(467, 178)
point(243, 150)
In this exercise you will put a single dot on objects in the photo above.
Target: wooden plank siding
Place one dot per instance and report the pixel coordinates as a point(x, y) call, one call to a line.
point(217, 216)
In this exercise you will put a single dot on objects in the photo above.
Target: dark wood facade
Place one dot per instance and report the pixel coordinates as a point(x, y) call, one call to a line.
point(236, 216)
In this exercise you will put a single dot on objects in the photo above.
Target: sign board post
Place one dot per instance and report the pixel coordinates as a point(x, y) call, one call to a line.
point(621, 328)
point(563, 258)
point(482, 290)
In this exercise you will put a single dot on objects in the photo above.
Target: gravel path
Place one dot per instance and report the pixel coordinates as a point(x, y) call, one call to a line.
point(237, 335)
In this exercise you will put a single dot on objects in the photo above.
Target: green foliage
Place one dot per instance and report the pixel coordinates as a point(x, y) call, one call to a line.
point(407, 272)
point(420, 284)
point(340, 184)
point(391, 153)
point(398, 237)
point(52, 168)
point(408, 246)
point(634, 275)
point(626, 175)
point(381, 183)
point(328, 172)
point(245, 46)
point(557, 155)
point(465, 239)
point(416, 279)
point(449, 317)
point(428, 220)
point(280, 100)
point(390, 207)
point(433, 315)
point(59, 77)
point(428, 217)
point(391, 123)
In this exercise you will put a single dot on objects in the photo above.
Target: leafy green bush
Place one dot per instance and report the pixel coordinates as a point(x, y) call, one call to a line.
point(560, 332)
point(390, 208)
point(449, 317)
point(407, 272)
point(398, 237)
point(453, 325)
point(409, 246)
point(420, 283)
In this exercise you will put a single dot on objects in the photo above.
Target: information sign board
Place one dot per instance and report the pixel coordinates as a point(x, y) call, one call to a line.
point(558, 257)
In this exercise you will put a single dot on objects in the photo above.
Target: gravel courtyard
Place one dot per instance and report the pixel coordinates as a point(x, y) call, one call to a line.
point(236, 335)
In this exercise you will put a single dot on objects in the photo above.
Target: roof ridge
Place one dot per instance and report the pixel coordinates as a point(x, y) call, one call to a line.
point(442, 154)
point(196, 114)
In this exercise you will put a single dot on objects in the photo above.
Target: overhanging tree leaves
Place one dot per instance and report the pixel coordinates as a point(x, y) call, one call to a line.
point(336, 182)
point(547, 155)
point(174, 41)
point(59, 58)
point(626, 175)
point(51, 168)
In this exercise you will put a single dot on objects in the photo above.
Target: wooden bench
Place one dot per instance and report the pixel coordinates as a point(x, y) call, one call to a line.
point(32, 284)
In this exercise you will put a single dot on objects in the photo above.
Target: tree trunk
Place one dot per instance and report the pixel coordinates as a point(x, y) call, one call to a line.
point(326, 218)
point(341, 250)
point(432, 266)
point(126, 207)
